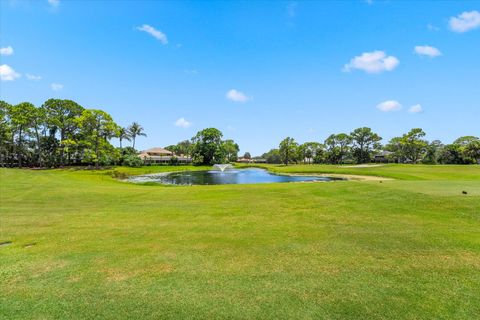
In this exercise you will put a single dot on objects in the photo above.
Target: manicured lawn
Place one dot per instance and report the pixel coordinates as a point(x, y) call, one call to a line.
point(395, 171)
point(86, 246)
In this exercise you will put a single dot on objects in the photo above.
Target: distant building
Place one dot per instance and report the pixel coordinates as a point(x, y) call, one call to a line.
point(161, 155)
point(383, 157)
point(253, 160)
point(157, 152)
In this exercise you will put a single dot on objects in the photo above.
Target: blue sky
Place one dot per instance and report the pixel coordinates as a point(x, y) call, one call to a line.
point(258, 71)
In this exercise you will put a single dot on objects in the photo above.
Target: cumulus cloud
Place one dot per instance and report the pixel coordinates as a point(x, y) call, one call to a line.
point(372, 62)
point(236, 96)
point(428, 51)
point(56, 86)
point(389, 105)
point(157, 34)
point(465, 21)
point(7, 73)
point(415, 108)
point(6, 51)
point(54, 3)
point(182, 123)
point(33, 77)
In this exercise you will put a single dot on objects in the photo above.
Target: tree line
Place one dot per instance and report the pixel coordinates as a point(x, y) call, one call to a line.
point(207, 147)
point(62, 133)
point(362, 144)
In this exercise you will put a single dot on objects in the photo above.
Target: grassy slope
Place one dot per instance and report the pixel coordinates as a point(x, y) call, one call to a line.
point(359, 250)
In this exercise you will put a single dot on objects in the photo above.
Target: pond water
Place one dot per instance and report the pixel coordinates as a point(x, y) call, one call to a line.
point(232, 176)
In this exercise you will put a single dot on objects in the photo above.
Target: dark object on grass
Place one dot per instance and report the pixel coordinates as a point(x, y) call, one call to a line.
point(5, 243)
point(380, 181)
point(464, 192)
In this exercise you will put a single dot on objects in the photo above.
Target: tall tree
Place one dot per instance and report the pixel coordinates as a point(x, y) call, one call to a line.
point(184, 147)
point(208, 147)
point(365, 141)
point(432, 152)
point(338, 147)
point(309, 151)
point(97, 127)
point(21, 119)
point(452, 154)
point(288, 150)
point(62, 118)
point(472, 149)
point(465, 140)
point(123, 134)
point(136, 130)
point(6, 141)
point(272, 156)
point(413, 144)
point(231, 150)
point(395, 145)
point(468, 146)
point(173, 148)
point(39, 127)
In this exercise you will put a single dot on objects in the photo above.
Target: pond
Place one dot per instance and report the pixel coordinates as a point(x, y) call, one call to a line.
point(233, 176)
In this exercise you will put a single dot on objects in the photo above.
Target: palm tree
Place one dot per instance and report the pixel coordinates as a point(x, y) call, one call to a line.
point(123, 134)
point(136, 130)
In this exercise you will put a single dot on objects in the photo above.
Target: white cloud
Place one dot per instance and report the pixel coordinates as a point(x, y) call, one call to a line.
point(6, 51)
point(157, 34)
point(372, 62)
point(7, 73)
point(465, 21)
point(236, 96)
point(56, 86)
point(427, 51)
point(33, 77)
point(54, 3)
point(415, 109)
point(182, 123)
point(389, 105)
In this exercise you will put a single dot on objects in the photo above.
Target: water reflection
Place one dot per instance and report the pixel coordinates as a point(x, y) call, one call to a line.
point(232, 176)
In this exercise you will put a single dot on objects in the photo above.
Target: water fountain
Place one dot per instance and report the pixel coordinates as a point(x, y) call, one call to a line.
point(222, 167)
point(220, 175)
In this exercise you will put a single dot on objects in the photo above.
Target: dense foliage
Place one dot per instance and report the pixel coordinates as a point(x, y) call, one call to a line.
point(362, 145)
point(61, 133)
point(208, 148)
point(272, 156)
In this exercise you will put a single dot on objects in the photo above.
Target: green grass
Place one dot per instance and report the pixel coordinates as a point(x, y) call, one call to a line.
point(103, 249)
point(395, 171)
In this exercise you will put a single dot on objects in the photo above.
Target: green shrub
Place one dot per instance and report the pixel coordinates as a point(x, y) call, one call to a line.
point(132, 161)
point(173, 161)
